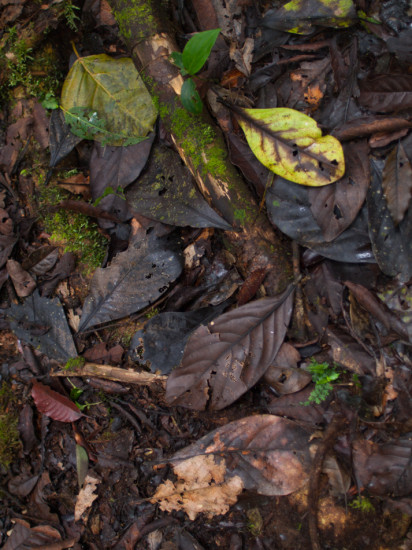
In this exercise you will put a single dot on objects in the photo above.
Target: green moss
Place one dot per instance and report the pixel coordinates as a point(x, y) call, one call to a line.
point(74, 363)
point(74, 231)
point(131, 11)
point(9, 434)
point(197, 140)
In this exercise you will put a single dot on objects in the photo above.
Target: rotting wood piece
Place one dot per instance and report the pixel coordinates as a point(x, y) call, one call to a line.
point(200, 143)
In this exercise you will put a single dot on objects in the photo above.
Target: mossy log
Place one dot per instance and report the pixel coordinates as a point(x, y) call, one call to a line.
point(200, 143)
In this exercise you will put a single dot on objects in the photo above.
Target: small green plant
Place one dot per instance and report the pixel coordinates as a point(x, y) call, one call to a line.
point(322, 375)
point(70, 14)
point(190, 61)
point(152, 313)
point(9, 433)
point(362, 504)
point(119, 192)
point(75, 393)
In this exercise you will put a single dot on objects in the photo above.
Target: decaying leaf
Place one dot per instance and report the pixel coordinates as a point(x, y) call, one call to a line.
point(226, 358)
point(134, 279)
point(291, 144)
point(386, 93)
point(41, 322)
point(53, 404)
point(106, 100)
point(384, 469)
point(86, 497)
point(264, 453)
point(335, 206)
point(167, 192)
point(397, 182)
point(202, 488)
point(23, 282)
point(301, 16)
point(392, 244)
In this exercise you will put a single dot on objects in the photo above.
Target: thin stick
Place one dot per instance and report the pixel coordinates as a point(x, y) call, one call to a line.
point(113, 373)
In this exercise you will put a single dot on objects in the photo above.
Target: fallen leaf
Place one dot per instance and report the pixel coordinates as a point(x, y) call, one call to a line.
point(62, 141)
point(23, 282)
point(226, 358)
point(134, 279)
point(53, 404)
point(290, 144)
point(85, 498)
point(106, 100)
point(386, 93)
point(397, 182)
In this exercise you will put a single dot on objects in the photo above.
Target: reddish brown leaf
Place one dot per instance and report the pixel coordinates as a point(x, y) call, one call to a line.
point(226, 358)
point(365, 126)
point(53, 404)
point(251, 286)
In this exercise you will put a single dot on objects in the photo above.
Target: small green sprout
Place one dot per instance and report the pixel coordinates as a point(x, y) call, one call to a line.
point(322, 375)
point(362, 504)
point(190, 61)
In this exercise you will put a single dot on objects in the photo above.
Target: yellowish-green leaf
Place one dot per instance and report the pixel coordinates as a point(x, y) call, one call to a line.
point(291, 144)
point(107, 100)
point(302, 16)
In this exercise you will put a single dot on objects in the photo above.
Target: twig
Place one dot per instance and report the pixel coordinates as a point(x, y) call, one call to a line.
point(113, 373)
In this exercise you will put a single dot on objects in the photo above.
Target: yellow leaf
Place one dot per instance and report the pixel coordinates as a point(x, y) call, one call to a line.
point(290, 144)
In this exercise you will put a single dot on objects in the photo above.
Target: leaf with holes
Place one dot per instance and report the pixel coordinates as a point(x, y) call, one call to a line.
point(223, 360)
point(134, 279)
point(291, 144)
point(53, 404)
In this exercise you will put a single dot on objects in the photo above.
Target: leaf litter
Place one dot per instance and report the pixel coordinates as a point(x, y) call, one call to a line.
point(226, 446)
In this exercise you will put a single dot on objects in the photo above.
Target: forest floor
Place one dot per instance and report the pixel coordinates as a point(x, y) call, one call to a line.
point(155, 394)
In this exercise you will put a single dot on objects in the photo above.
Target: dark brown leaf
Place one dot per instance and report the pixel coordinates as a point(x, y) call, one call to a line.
point(41, 260)
point(386, 93)
point(291, 406)
point(283, 375)
point(62, 270)
point(397, 182)
point(6, 223)
point(384, 469)
point(365, 126)
point(226, 358)
point(6, 246)
point(53, 404)
point(26, 428)
point(335, 206)
point(270, 454)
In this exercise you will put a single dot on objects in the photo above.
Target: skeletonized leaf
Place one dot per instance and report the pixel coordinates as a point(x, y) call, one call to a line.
point(226, 358)
point(263, 453)
point(53, 404)
point(397, 182)
point(106, 100)
point(291, 144)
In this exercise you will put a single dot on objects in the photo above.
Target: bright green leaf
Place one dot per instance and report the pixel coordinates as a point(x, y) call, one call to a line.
point(291, 144)
point(190, 97)
point(178, 61)
point(106, 99)
point(198, 49)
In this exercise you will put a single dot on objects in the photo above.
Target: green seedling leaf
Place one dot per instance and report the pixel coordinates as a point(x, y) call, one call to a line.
point(178, 61)
point(291, 144)
point(190, 98)
point(106, 100)
point(198, 49)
